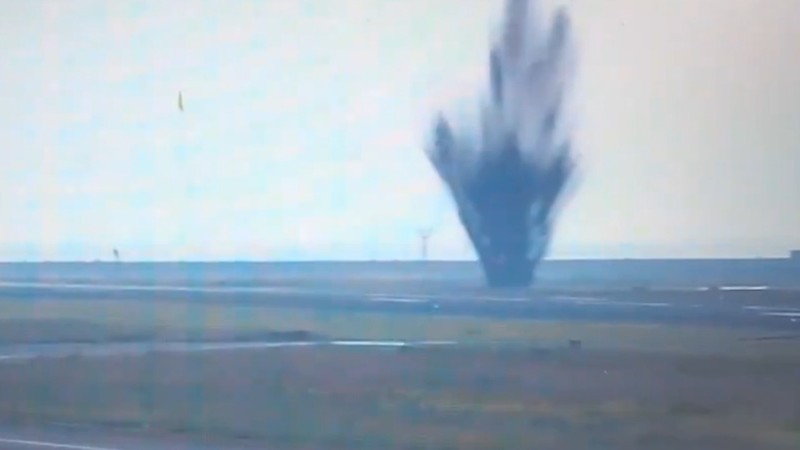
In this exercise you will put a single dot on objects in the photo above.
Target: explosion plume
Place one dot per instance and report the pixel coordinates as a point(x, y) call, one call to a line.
point(507, 173)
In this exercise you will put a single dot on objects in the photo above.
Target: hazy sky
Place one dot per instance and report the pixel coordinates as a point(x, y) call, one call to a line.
point(304, 123)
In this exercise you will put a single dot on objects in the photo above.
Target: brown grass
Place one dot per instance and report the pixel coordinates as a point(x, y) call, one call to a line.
point(331, 398)
point(99, 321)
point(631, 387)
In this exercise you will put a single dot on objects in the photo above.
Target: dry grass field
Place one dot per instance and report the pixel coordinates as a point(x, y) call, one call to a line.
point(476, 398)
point(513, 384)
point(92, 321)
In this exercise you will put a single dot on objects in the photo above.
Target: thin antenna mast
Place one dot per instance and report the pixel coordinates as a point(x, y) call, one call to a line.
point(424, 237)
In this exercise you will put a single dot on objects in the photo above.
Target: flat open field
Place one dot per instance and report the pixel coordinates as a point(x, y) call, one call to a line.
point(147, 321)
point(331, 398)
point(512, 384)
point(656, 369)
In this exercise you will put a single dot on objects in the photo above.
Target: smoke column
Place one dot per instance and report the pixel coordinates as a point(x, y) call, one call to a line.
point(507, 173)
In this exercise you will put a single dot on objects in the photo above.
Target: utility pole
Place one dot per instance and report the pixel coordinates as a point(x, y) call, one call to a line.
point(424, 237)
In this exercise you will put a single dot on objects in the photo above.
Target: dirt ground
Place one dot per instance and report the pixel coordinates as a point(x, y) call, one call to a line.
point(457, 398)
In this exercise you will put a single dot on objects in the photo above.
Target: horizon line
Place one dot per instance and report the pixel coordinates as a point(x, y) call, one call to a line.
point(379, 261)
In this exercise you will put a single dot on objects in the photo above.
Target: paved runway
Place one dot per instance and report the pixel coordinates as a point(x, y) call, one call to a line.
point(762, 308)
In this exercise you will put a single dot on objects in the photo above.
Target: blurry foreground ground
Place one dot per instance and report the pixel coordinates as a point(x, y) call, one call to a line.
point(330, 398)
point(510, 384)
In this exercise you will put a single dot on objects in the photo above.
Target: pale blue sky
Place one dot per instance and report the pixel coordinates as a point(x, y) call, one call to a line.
point(304, 124)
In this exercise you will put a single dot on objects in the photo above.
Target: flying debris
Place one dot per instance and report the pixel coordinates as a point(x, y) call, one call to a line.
point(507, 172)
point(180, 101)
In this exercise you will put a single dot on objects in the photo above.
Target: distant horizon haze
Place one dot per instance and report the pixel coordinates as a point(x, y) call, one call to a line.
point(619, 253)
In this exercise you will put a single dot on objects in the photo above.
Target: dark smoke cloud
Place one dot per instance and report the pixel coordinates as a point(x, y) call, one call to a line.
point(507, 174)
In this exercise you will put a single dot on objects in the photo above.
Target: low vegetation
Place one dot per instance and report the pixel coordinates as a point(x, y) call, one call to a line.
point(95, 321)
point(47, 321)
point(561, 385)
point(331, 398)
